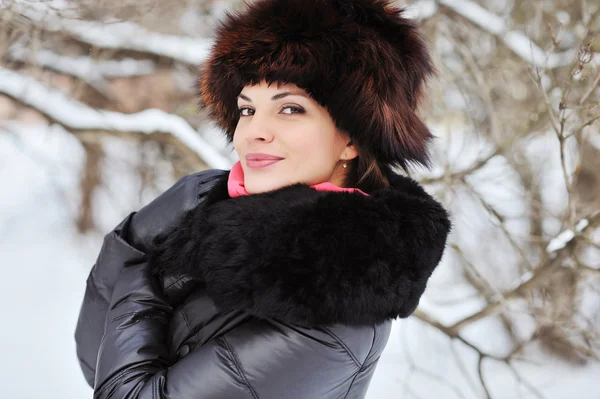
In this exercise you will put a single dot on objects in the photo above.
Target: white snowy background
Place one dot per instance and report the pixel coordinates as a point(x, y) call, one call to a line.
point(45, 261)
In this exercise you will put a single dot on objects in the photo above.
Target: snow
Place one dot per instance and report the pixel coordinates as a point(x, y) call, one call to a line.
point(44, 265)
point(49, 263)
point(84, 67)
point(115, 35)
point(420, 10)
point(126, 35)
point(561, 240)
point(477, 14)
point(73, 114)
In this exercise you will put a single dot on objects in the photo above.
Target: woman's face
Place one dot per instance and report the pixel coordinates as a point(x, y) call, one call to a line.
point(285, 137)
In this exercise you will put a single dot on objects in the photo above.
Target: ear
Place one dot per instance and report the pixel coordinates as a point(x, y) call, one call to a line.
point(349, 153)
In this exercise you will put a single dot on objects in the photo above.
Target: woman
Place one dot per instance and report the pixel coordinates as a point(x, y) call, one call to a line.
point(279, 278)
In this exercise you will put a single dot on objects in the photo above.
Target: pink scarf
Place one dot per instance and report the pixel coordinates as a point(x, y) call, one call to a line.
point(235, 184)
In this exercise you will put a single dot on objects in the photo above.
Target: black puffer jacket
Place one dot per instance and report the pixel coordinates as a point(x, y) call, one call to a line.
point(288, 294)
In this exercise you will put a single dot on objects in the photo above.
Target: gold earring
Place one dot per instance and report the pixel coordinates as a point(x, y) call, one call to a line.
point(344, 165)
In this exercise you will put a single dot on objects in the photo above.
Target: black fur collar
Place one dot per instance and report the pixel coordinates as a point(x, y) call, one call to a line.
point(308, 257)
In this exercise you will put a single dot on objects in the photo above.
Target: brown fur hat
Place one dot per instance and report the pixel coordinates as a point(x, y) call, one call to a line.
point(360, 59)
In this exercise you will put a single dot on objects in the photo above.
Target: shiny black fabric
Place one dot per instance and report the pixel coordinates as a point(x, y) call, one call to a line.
point(144, 336)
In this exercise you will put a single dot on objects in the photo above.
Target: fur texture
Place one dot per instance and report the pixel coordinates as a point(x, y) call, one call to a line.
point(309, 257)
point(360, 59)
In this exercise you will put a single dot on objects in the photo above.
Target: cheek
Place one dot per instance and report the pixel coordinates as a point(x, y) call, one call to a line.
point(237, 140)
point(314, 146)
point(299, 144)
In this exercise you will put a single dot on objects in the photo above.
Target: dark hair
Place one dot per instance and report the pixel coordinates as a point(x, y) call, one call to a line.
point(366, 173)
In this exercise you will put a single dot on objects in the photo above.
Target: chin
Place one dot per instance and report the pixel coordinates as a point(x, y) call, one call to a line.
point(257, 186)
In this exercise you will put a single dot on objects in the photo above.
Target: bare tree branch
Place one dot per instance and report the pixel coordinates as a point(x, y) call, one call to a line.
point(516, 41)
point(75, 115)
point(118, 35)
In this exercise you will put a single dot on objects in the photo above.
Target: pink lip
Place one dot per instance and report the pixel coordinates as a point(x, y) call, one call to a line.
point(259, 160)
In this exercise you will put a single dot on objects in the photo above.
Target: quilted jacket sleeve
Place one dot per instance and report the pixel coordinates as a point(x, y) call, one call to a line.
point(124, 245)
point(254, 360)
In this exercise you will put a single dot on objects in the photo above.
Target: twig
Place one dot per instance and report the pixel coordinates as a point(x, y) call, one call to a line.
point(540, 274)
point(590, 89)
point(463, 369)
point(537, 78)
point(463, 173)
point(480, 373)
point(501, 224)
point(512, 39)
point(428, 373)
point(524, 382)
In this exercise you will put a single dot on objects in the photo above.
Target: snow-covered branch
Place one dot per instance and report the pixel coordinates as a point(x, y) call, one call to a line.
point(83, 67)
point(75, 115)
point(116, 35)
point(129, 36)
point(561, 240)
point(92, 72)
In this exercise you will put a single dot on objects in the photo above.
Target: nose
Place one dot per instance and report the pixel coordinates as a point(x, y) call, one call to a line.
point(259, 128)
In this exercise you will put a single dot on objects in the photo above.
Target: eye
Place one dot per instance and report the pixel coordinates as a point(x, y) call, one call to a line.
point(292, 109)
point(243, 112)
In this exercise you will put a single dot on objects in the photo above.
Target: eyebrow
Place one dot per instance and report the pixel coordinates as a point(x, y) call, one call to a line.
point(278, 96)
